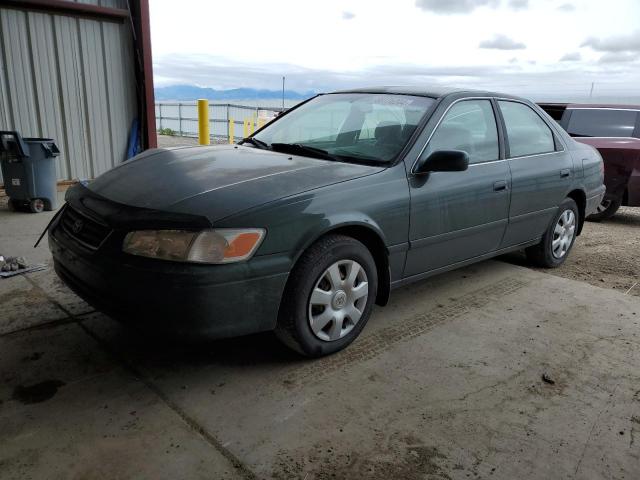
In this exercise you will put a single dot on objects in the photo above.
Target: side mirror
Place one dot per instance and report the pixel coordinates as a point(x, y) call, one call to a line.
point(443, 161)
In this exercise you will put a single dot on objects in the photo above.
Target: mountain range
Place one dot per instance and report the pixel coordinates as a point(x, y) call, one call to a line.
point(193, 92)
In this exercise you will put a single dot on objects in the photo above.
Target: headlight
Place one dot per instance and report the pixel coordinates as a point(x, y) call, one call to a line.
point(224, 245)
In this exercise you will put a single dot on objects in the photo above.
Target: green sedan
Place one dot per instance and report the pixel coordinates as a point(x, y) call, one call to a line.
point(304, 226)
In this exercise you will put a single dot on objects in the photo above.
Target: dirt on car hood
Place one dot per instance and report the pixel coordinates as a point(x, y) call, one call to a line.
point(218, 181)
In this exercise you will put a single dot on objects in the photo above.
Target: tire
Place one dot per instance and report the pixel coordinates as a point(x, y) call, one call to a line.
point(36, 205)
point(557, 241)
point(607, 209)
point(315, 272)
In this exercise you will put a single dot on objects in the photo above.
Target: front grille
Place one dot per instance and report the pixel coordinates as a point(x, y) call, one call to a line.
point(83, 229)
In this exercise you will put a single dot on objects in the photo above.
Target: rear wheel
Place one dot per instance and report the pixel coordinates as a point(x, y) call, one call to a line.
point(36, 205)
point(607, 209)
point(557, 241)
point(329, 297)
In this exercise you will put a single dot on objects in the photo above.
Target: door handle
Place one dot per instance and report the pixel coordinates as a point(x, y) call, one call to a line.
point(565, 172)
point(500, 186)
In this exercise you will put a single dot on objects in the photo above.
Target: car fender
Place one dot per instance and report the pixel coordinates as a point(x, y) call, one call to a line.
point(367, 231)
point(332, 223)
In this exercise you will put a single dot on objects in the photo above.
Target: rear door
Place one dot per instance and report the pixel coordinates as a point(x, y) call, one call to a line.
point(456, 216)
point(541, 171)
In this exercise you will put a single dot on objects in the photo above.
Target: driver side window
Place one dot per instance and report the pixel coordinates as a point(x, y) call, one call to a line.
point(470, 126)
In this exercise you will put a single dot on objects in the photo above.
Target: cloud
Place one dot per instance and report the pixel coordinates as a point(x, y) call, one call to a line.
point(449, 7)
point(542, 82)
point(567, 7)
point(224, 73)
point(502, 42)
point(348, 15)
point(618, 57)
point(519, 4)
point(616, 43)
point(571, 57)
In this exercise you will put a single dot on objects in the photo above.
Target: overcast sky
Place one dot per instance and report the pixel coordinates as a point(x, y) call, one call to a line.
point(540, 48)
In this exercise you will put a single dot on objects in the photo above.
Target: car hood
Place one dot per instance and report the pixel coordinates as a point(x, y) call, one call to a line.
point(217, 181)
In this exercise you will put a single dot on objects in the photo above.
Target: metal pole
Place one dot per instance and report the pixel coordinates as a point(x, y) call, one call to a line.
point(203, 122)
point(283, 93)
point(160, 113)
point(180, 118)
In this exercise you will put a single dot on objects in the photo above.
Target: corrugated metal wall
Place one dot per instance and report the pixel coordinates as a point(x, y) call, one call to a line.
point(71, 79)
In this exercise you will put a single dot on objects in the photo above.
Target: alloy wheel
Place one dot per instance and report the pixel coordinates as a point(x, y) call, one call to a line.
point(337, 300)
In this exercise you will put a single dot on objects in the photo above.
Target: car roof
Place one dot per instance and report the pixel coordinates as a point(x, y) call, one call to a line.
point(432, 91)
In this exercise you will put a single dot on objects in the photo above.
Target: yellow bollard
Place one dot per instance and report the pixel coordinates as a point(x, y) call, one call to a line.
point(261, 122)
point(245, 127)
point(231, 131)
point(203, 122)
point(253, 124)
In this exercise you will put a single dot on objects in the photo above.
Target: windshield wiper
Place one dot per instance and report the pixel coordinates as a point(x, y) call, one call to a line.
point(298, 148)
point(365, 159)
point(256, 142)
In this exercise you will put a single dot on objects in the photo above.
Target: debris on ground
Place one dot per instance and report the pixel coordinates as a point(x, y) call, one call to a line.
point(546, 378)
point(11, 266)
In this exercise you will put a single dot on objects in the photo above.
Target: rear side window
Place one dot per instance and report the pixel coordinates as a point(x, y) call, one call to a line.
point(527, 133)
point(470, 126)
point(602, 122)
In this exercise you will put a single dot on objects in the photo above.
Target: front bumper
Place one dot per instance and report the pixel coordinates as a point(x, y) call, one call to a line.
point(188, 300)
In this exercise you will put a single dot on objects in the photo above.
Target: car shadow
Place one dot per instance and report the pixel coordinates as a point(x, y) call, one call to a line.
point(159, 351)
point(626, 217)
point(518, 258)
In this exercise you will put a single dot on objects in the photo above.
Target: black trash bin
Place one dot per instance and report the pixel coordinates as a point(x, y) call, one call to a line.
point(29, 171)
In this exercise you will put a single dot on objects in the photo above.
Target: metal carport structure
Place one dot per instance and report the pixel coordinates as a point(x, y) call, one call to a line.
point(81, 73)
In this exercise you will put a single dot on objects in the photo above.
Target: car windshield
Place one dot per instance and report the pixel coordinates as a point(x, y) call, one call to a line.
point(352, 127)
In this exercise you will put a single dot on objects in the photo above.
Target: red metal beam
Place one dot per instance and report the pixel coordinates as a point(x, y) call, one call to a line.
point(147, 73)
point(64, 7)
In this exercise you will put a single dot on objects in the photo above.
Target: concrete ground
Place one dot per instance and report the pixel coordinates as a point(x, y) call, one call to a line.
point(446, 382)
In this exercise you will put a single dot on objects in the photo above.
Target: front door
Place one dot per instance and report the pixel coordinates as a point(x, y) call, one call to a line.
point(456, 216)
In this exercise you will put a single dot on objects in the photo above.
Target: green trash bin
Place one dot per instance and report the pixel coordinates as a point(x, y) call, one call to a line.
point(29, 171)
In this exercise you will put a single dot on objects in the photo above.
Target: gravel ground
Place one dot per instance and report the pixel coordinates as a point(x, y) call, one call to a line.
point(607, 254)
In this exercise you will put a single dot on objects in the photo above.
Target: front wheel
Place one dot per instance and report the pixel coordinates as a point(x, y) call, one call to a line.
point(557, 241)
point(329, 297)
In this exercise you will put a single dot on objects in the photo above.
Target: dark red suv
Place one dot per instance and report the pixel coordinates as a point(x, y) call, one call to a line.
point(615, 131)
